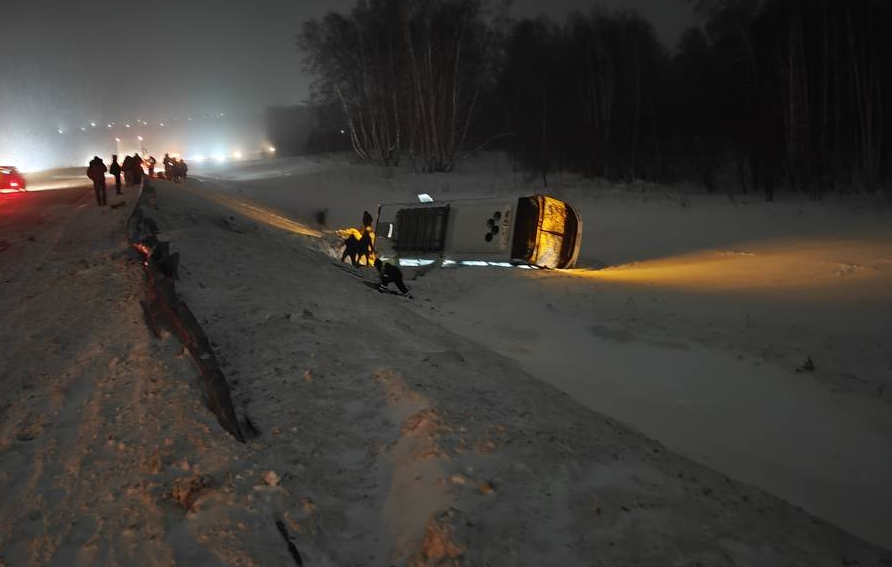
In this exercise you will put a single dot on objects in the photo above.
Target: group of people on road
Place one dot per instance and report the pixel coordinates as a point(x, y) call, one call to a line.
point(132, 169)
point(175, 168)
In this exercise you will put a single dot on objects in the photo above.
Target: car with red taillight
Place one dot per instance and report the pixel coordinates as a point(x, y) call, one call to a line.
point(11, 181)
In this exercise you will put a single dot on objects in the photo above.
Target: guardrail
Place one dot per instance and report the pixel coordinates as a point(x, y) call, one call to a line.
point(163, 306)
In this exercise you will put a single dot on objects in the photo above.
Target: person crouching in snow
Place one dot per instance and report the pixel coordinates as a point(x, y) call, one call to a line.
point(390, 274)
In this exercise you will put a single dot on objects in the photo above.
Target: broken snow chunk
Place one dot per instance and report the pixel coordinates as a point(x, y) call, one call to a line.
point(425, 422)
point(308, 505)
point(29, 428)
point(440, 546)
point(270, 478)
point(186, 490)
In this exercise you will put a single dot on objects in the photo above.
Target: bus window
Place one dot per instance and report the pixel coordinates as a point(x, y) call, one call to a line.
point(422, 229)
point(526, 229)
point(555, 235)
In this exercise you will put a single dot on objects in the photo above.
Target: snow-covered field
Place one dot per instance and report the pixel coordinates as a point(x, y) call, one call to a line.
point(696, 332)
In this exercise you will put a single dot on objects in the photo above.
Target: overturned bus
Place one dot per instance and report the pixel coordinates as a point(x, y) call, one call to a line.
point(536, 231)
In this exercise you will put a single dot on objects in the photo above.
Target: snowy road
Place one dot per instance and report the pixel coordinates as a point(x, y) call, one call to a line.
point(698, 343)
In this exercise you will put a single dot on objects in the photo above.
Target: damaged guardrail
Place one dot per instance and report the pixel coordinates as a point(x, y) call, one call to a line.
point(162, 305)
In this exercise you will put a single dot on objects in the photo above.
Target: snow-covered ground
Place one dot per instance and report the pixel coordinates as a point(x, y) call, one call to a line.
point(403, 432)
point(397, 441)
point(695, 332)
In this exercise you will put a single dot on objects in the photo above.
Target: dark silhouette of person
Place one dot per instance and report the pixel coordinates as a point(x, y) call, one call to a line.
point(136, 169)
point(367, 220)
point(351, 249)
point(176, 169)
point(365, 246)
point(390, 274)
point(127, 168)
point(115, 170)
point(151, 165)
point(96, 172)
point(168, 166)
point(356, 248)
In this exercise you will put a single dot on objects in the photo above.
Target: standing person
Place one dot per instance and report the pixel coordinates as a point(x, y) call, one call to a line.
point(151, 164)
point(127, 167)
point(168, 167)
point(96, 172)
point(115, 170)
point(367, 220)
point(136, 169)
point(184, 169)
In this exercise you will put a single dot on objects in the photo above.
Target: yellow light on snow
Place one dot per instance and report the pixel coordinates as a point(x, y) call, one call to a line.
point(795, 268)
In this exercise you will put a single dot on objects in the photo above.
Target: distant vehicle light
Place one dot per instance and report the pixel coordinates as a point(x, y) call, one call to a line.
point(272, 149)
point(237, 155)
point(139, 138)
point(126, 125)
point(425, 198)
point(92, 124)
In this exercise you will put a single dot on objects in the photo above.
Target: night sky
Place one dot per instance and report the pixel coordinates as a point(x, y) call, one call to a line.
point(107, 60)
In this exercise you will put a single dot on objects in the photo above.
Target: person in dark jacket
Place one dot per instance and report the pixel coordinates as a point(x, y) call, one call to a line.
point(176, 169)
point(136, 169)
point(367, 220)
point(96, 172)
point(115, 170)
point(390, 274)
point(150, 163)
point(356, 248)
point(127, 168)
point(168, 167)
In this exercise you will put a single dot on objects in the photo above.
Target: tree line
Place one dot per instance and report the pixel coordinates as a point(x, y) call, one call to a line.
point(765, 94)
